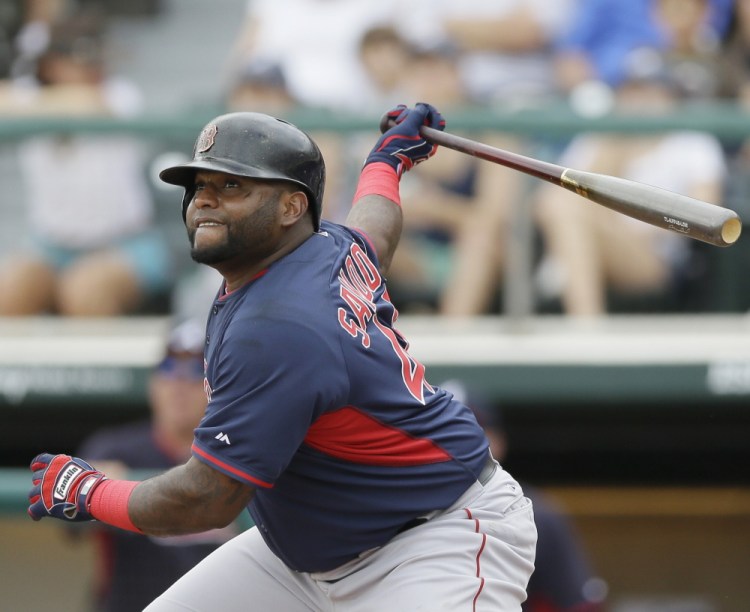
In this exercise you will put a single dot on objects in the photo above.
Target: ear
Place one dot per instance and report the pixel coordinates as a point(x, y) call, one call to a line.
point(294, 207)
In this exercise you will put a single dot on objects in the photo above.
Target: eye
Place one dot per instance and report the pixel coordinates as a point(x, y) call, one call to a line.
point(231, 184)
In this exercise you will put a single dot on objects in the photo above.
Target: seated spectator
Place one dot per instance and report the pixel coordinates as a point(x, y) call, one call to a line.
point(260, 86)
point(603, 33)
point(132, 569)
point(454, 250)
point(563, 580)
point(735, 53)
point(502, 56)
point(506, 47)
point(24, 32)
point(94, 246)
point(596, 252)
point(383, 52)
point(449, 259)
point(317, 49)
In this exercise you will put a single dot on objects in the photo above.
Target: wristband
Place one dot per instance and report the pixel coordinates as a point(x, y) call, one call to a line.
point(109, 503)
point(378, 178)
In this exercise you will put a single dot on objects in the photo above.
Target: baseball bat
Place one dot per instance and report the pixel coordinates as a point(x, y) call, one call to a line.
point(693, 218)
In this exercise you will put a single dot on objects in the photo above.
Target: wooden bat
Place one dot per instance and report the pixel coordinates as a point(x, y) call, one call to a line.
point(693, 218)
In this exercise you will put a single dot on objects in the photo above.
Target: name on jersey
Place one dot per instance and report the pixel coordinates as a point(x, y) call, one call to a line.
point(359, 281)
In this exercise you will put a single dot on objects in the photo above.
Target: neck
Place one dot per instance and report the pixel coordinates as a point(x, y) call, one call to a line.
point(238, 274)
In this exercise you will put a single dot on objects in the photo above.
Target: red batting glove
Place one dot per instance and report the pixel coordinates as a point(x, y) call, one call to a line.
point(62, 487)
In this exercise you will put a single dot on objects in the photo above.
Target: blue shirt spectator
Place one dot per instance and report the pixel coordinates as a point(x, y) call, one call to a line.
point(605, 31)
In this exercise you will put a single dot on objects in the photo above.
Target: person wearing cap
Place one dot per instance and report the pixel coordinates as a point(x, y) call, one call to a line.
point(133, 570)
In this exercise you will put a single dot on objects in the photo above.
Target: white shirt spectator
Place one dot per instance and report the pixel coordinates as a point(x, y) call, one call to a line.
point(316, 42)
point(497, 73)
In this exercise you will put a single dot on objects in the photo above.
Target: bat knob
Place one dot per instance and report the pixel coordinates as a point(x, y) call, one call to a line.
point(386, 123)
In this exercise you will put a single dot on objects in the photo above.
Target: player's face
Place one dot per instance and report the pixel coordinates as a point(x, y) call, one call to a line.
point(232, 218)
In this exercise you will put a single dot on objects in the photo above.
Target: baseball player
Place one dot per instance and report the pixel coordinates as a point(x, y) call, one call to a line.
point(370, 489)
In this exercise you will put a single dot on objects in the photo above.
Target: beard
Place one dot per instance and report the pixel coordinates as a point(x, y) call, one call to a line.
point(249, 239)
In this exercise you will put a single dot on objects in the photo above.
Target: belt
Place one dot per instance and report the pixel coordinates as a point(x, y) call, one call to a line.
point(488, 470)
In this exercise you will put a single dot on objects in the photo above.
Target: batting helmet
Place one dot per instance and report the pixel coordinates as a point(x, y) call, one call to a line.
point(254, 145)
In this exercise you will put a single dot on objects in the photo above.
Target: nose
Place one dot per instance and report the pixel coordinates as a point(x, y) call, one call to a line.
point(205, 198)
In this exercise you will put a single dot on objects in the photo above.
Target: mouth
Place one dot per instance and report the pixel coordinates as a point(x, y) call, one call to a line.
point(201, 223)
point(208, 231)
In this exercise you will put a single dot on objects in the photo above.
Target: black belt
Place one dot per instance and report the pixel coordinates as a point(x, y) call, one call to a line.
point(490, 465)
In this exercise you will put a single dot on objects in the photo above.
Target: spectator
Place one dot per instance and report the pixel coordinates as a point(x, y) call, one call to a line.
point(502, 56)
point(322, 70)
point(383, 53)
point(735, 68)
point(133, 570)
point(326, 35)
point(563, 580)
point(95, 248)
point(260, 86)
point(454, 253)
point(449, 259)
point(603, 33)
point(594, 251)
point(505, 47)
point(24, 32)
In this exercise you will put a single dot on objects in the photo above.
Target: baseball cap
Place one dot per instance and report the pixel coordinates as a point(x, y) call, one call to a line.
point(262, 72)
point(183, 357)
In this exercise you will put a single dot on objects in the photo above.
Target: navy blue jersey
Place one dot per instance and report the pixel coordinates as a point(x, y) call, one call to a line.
point(316, 402)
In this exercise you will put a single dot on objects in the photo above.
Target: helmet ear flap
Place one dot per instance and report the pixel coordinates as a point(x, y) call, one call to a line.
point(186, 199)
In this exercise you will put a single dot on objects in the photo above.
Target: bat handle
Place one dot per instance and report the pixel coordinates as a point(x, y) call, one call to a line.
point(428, 133)
point(386, 123)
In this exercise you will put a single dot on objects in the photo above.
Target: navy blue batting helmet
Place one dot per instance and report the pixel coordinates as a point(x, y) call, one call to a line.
point(254, 145)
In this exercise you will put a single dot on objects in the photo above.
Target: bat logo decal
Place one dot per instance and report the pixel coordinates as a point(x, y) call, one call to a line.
point(677, 225)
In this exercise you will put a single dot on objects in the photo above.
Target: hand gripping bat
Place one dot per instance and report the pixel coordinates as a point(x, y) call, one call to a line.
point(693, 218)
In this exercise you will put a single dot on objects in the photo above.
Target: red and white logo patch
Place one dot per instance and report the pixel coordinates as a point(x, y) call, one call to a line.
point(207, 138)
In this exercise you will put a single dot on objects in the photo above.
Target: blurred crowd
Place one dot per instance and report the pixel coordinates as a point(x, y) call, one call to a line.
point(95, 243)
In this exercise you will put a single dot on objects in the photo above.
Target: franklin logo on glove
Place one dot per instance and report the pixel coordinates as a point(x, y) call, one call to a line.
point(66, 477)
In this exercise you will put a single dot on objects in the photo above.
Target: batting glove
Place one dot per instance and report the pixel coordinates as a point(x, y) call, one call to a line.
point(62, 486)
point(402, 146)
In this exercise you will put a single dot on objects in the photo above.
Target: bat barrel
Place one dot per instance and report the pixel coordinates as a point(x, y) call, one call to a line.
point(672, 211)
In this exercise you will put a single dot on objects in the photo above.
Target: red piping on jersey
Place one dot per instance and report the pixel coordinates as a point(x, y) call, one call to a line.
point(479, 554)
point(225, 292)
point(349, 434)
point(364, 235)
point(228, 468)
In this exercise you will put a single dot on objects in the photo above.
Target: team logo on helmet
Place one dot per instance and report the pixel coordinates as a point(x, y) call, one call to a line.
point(207, 138)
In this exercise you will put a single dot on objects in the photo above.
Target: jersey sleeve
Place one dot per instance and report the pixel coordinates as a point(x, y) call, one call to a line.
point(267, 388)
